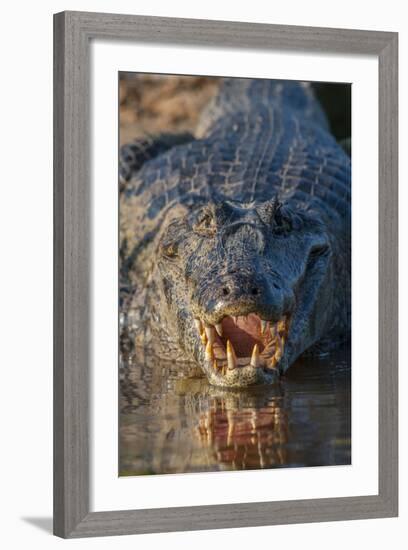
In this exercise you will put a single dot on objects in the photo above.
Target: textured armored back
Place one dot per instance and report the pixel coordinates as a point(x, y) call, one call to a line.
point(244, 94)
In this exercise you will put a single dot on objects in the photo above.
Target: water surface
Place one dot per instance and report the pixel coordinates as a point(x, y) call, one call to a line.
point(173, 421)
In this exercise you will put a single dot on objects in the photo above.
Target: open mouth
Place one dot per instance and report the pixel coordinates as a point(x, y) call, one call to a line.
point(243, 341)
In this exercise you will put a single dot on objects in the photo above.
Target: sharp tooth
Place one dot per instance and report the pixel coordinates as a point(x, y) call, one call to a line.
point(255, 357)
point(215, 366)
point(218, 328)
point(282, 326)
point(273, 362)
point(198, 325)
point(263, 325)
point(209, 352)
point(279, 348)
point(235, 319)
point(203, 337)
point(210, 334)
point(231, 357)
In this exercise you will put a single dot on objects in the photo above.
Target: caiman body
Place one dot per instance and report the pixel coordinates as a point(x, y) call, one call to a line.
point(235, 242)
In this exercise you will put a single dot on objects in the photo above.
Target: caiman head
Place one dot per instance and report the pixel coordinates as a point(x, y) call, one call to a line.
point(242, 288)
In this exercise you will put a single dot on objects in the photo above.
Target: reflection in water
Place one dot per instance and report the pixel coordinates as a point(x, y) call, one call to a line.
point(173, 421)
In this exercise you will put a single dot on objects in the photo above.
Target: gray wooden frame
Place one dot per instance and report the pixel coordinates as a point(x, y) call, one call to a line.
point(72, 34)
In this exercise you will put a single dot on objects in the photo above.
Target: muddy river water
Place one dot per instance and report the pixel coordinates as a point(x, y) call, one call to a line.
point(173, 421)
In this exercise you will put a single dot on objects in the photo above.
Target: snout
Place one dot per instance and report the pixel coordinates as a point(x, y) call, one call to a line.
point(242, 321)
point(241, 293)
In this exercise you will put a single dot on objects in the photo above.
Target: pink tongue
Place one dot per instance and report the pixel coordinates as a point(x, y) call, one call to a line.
point(243, 335)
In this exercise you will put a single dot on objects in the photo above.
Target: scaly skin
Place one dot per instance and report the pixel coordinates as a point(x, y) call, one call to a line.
point(248, 221)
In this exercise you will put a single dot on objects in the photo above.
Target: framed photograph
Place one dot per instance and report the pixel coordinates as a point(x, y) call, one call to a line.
point(225, 287)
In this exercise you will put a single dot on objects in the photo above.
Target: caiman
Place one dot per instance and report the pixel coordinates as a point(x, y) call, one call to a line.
point(235, 245)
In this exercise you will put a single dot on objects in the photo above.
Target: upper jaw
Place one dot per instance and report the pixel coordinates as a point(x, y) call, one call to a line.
point(243, 350)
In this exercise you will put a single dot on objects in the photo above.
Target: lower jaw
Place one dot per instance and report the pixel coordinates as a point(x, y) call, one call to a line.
point(242, 377)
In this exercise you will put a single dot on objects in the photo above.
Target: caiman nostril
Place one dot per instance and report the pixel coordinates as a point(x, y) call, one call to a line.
point(225, 291)
point(254, 291)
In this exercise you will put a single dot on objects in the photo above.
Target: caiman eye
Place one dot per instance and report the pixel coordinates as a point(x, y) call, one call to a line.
point(319, 250)
point(282, 223)
point(205, 225)
point(170, 250)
